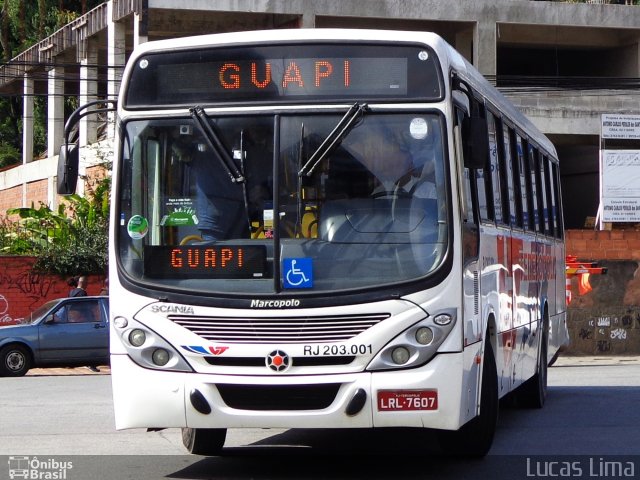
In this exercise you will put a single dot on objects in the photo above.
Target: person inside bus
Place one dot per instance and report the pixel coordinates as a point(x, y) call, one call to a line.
point(220, 204)
point(400, 163)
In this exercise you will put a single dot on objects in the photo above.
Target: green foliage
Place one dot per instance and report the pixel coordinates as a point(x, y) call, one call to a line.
point(70, 240)
point(9, 155)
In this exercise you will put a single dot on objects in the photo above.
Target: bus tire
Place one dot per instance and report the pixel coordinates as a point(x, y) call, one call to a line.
point(15, 361)
point(533, 392)
point(554, 358)
point(474, 439)
point(204, 441)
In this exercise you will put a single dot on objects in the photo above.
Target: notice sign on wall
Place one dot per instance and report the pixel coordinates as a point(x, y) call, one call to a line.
point(620, 126)
point(620, 185)
point(620, 168)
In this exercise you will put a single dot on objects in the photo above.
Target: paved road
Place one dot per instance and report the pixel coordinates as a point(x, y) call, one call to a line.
point(592, 413)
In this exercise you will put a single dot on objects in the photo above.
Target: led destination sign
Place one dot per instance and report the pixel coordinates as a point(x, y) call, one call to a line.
point(300, 72)
point(205, 261)
point(287, 77)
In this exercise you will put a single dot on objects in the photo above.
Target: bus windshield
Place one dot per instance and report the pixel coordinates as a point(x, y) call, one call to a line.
point(250, 204)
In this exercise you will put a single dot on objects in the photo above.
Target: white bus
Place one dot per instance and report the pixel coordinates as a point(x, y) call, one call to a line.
point(323, 228)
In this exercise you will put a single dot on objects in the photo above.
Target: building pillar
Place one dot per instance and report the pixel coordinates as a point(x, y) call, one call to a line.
point(308, 19)
point(141, 25)
point(115, 59)
point(27, 118)
point(55, 110)
point(484, 52)
point(464, 44)
point(88, 125)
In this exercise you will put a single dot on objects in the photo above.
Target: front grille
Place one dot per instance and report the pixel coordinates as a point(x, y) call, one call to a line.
point(278, 397)
point(295, 361)
point(279, 329)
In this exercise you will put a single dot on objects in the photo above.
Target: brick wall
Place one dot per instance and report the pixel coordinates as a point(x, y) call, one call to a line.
point(605, 317)
point(22, 291)
point(604, 244)
point(10, 198)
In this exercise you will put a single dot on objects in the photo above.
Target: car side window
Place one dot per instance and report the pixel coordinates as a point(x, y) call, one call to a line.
point(87, 311)
point(60, 315)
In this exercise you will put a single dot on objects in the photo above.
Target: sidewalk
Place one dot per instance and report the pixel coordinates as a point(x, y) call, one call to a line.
point(42, 372)
point(579, 360)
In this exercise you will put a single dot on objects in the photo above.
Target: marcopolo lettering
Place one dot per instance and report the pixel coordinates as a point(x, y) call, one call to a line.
point(290, 302)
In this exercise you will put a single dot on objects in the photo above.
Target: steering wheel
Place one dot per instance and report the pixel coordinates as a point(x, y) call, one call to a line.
point(397, 193)
point(190, 238)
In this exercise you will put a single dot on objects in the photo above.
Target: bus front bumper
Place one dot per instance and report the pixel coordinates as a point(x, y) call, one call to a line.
point(440, 394)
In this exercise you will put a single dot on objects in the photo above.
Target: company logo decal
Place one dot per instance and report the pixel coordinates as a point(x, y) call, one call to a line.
point(278, 361)
point(184, 309)
point(200, 350)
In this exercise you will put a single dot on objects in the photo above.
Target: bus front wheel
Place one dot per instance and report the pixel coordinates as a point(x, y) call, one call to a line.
point(204, 441)
point(474, 438)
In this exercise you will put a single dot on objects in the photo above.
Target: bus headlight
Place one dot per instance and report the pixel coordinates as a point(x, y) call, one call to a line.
point(137, 337)
point(160, 357)
point(148, 349)
point(400, 355)
point(417, 344)
point(424, 335)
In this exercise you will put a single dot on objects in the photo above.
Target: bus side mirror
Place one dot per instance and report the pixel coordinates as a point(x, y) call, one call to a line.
point(475, 136)
point(67, 169)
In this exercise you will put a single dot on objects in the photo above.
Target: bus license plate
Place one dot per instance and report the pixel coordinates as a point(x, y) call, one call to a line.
point(390, 400)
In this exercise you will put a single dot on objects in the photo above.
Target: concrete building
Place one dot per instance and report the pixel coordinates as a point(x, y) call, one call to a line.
point(563, 64)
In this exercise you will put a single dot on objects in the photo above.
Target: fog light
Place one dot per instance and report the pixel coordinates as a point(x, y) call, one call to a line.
point(160, 356)
point(400, 355)
point(424, 335)
point(137, 337)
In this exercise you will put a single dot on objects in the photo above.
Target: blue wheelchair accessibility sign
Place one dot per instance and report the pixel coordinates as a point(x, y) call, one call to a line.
point(297, 272)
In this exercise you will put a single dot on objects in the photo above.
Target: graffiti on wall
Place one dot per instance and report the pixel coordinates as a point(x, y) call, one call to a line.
point(606, 320)
point(5, 319)
point(22, 290)
point(33, 285)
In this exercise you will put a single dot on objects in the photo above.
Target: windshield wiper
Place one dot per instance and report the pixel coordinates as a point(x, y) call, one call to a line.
point(333, 140)
point(215, 144)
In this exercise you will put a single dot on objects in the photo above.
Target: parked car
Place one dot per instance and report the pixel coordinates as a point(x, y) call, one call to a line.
point(65, 332)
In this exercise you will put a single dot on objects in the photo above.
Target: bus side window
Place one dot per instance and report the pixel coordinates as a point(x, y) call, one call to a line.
point(494, 172)
point(484, 183)
point(557, 211)
point(525, 182)
point(470, 237)
point(516, 165)
point(507, 170)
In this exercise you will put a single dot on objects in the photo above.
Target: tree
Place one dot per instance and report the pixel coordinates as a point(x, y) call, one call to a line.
point(16, 35)
point(72, 239)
